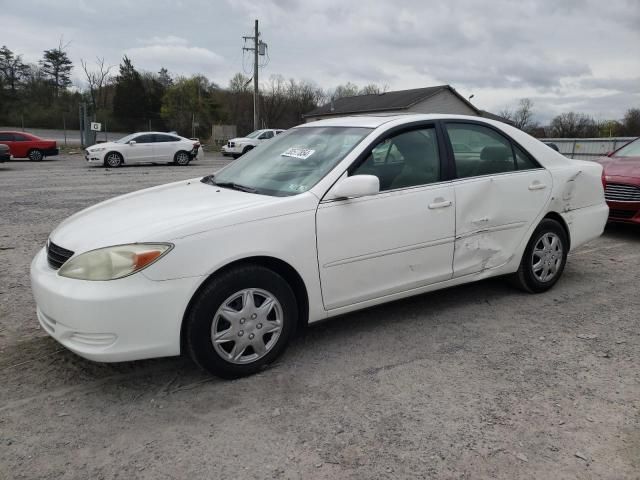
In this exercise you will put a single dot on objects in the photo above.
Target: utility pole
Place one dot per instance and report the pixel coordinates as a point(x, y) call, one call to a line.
point(257, 49)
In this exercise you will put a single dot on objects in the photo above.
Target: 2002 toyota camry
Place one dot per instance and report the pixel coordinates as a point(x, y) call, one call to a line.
point(329, 217)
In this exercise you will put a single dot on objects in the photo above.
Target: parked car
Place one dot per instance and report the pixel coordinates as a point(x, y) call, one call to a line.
point(25, 145)
point(309, 226)
point(5, 154)
point(241, 145)
point(621, 179)
point(144, 147)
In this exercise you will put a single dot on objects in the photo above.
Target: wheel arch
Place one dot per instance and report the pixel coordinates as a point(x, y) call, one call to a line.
point(290, 274)
point(558, 218)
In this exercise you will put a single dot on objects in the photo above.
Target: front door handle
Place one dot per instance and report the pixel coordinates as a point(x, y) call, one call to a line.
point(441, 204)
point(537, 186)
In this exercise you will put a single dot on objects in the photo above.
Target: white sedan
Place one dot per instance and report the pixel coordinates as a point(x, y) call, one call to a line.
point(327, 218)
point(144, 147)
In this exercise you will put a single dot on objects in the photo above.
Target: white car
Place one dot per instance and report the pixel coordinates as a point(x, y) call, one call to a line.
point(144, 147)
point(330, 217)
point(241, 145)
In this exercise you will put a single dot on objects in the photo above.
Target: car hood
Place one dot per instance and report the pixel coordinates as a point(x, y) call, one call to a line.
point(105, 145)
point(158, 214)
point(621, 166)
point(243, 139)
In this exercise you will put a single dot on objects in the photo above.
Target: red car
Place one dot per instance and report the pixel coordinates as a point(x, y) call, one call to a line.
point(621, 179)
point(25, 145)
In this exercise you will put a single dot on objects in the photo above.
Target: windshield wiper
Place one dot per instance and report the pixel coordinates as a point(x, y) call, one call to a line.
point(236, 186)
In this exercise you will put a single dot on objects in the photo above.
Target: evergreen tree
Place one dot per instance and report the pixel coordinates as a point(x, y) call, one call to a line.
point(129, 101)
point(56, 67)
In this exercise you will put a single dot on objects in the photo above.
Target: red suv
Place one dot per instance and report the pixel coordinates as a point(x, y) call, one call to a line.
point(25, 145)
point(621, 179)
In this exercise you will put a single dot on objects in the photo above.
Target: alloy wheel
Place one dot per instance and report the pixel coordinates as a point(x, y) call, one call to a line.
point(182, 158)
point(546, 258)
point(113, 160)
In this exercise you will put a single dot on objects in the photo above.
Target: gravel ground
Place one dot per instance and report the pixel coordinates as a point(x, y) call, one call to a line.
point(478, 381)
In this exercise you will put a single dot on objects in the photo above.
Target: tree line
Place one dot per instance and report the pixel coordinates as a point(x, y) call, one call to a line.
point(572, 124)
point(127, 99)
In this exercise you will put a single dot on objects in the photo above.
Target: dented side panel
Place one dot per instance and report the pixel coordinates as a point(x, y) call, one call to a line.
point(493, 214)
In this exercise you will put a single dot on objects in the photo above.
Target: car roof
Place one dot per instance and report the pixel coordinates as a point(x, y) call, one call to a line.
point(374, 121)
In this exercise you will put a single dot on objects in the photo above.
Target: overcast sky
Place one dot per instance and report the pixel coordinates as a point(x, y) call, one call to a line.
point(563, 54)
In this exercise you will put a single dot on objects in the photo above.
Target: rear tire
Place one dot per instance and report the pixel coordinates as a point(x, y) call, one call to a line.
point(36, 155)
point(182, 158)
point(544, 258)
point(113, 160)
point(241, 321)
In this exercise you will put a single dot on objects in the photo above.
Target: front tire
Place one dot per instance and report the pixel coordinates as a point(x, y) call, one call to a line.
point(544, 258)
point(113, 160)
point(241, 321)
point(181, 158)
point(36, 155)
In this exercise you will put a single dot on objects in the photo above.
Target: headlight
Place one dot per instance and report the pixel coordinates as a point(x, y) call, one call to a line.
point(97, 149)
point(115, 262)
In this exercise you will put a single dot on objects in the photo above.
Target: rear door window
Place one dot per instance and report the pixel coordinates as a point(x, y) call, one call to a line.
point(479, 150)
point(6, 137)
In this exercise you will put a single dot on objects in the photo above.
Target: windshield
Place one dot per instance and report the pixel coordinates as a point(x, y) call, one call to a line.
point(128, 138)
point(255, 134)
point(629, 150)
point(292, 162)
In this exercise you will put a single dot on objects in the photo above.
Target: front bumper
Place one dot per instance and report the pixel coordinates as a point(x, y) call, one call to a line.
point(624, 212)
point(120, 320)
point(230, 151)
point(94, 157)
point(5, 157)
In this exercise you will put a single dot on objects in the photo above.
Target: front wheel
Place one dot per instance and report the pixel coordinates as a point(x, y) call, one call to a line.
point(544, 258)
point(241, 321)
point(113, 160)
point(36, 155)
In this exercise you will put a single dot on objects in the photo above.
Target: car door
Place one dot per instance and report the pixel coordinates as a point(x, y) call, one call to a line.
point(394, 241)
point(142, 150)
point(500, 190)
point(165, 147)
point(20, 145)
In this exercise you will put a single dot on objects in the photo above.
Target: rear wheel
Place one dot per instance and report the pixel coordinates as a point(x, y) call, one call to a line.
point(36, 155)
point(544, 258)
point(181, 158)
point(241, 321)
point(113, 160)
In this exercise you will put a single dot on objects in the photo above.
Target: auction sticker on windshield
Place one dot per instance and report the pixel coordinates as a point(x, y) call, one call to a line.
point(297, 152)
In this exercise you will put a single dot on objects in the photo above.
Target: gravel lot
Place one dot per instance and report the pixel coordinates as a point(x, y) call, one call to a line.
point(478, 381)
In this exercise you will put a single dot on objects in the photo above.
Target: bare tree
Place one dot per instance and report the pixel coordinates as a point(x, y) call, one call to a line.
point(573, 125)
point(274, 99)
point(96, 79)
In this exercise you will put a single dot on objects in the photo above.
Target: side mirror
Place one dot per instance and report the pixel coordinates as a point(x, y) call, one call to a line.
point(356, 186)
point(132, 142)
point(608, 154)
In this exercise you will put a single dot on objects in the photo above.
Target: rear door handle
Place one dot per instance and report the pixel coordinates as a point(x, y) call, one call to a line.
point(537, 186)
point(433, 206)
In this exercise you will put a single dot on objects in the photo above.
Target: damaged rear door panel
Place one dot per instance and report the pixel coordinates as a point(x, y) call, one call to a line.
point(493, 213)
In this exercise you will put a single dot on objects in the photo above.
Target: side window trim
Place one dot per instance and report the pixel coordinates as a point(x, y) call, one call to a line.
point(512, 143)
